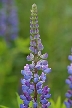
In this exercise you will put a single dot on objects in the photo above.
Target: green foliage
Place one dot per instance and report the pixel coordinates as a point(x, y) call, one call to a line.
point(19, 101)
point(3, 106)
point(30, 104)
point(57, 104)
point(9, 61)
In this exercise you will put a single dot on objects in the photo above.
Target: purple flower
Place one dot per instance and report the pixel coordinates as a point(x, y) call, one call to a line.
point(68, 95)
point(2, 22)
point(8, 20)
point(44, 96)
point(43, 77)
point(46, 105)
point(44, 56)
point(31, 66)
point(39, 85)
point(70, 57)
point(37, 36)
point(40, 46)
point(47, 70)
point(67, 104)
point(44, 101)
point(30, 57)
point(26, 72)
point(39, 91)
point(22, 97)
point(70, 69)
point(32, 49)
point(32, 82)
point(35, 104)
point(21, 106)
point(36, 78)
point(43, 65)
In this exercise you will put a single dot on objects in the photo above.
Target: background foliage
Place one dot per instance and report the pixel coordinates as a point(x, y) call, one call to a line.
point(55, 21)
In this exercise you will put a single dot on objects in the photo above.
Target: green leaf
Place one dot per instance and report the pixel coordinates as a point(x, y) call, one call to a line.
point(1, 106)
point(19, 101)
point(58, 103)
point(52, 104)
point(30, 104)
point(63, 106)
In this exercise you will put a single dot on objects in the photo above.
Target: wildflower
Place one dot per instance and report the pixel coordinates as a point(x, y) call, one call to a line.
point(8, 20)
point(32, 83)
point(68, 95)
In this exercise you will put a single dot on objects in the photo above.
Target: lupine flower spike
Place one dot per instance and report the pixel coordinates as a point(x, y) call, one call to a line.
point(35, 73)
point(68, 103)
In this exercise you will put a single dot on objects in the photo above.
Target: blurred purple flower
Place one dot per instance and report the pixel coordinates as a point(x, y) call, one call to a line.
point(8, 20)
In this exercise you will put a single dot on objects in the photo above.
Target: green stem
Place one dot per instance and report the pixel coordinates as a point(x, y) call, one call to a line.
point(35, 71)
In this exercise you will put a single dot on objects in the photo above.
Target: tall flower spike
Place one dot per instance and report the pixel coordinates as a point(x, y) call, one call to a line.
point(32, 84)
point(68, 95)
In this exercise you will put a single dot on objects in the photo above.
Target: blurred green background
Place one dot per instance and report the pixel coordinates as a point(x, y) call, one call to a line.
point(55, 26)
